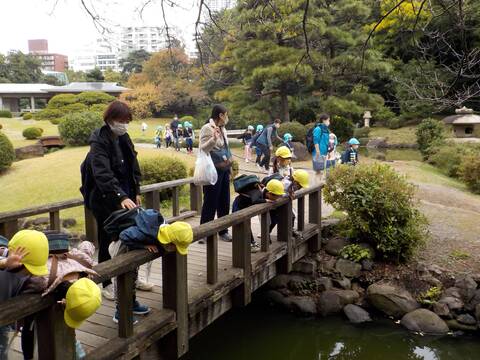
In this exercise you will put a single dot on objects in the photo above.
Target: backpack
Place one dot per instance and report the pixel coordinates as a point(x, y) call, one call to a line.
point(309, 140)
point(256, 136)
point(275, 176)
point(245, 183)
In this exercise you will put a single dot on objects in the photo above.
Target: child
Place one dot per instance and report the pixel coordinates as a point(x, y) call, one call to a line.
point(350, 156)
point(158, 136)
point(149, 229)
point(331, 151)
point(247, 138)
point(287, 141)
point(258, 151)
point(168, 136)
point(282, 161)
point(273, 192)
point(144, 128)
point(178, 134)
point(189, 136)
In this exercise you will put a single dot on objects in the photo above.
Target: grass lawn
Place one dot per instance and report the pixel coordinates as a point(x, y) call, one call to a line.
point(404, 135)
point(14, 127)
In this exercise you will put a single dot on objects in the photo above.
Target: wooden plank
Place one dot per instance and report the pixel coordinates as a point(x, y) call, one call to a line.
point(55, 220)
point(265, 231)
point(175, 201)
point(241, 258)
point(301, 214)
point(212, 259)
point(284, 234)
point(125, 287)
point(195, 197)
point(57, 206)
point(315, 217)
point(165, 185)
point(152, 200)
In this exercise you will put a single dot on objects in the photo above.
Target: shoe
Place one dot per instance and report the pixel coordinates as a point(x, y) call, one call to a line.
point(143, 285)
point(108, 292)
point(226, 237)
point(139, 309)
point(117, 315)
point(254, 247)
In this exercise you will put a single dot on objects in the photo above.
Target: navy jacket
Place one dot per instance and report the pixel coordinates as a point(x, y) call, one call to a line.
point(145, 230)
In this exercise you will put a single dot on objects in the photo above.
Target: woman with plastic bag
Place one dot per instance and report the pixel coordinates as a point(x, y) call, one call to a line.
point(216, 151)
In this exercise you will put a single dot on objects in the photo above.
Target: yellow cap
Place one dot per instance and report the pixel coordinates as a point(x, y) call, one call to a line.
point(179, 233)
point(283, 152)
point(36, 244)
point(276, 187)
point(82, 300)
point(302, 177)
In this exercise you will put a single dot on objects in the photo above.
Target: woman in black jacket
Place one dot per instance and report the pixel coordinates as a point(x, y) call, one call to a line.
point(110, 175)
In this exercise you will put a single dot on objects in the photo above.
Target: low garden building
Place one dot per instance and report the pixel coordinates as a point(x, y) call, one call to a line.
point(465, 124)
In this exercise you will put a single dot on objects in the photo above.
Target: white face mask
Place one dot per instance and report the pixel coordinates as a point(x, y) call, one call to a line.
point(119, 128)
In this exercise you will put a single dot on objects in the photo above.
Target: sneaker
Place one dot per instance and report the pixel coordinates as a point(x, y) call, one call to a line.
point(108, 292)
point(143, 285)
point(139, 309)
point(117, 315)
point(254, 247)
point(226, 237)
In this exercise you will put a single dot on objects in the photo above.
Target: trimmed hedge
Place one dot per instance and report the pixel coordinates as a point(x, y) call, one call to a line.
point(27, 116)
point(76, 129)
point(7, 152)
point(162, 168)
point(75, 107)
point(32, 133)
point(98, 108)
point(470, 172)
point(298, 131)
point(94, 97)
point(430, 134)
point(48, 114)
point(61, 100)
point(5, 114)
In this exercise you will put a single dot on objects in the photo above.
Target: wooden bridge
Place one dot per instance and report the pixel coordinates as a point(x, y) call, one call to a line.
point(191, 291)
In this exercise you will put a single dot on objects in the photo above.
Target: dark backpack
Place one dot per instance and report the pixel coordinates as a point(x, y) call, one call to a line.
point(275, 176)
point(309, 140)
point(256, 136)
point(245, 183)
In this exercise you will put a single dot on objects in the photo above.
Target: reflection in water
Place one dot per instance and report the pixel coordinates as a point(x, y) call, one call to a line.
point(259, 333)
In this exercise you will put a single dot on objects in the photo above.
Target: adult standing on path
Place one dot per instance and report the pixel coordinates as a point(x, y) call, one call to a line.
point(265, 142)
point(110, 175)
point(321, 138)
point(174, 127)
point(213, 140)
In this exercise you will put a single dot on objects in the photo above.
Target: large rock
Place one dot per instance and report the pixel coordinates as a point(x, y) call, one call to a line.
point(453, 303)
point(466, 319)
point(324, 283)
point(282, 281)
point(455, 325)
point(300, 151)
point(277, 298)
point(68, 223)
point(329, 227)
point(305, 266)
point(467, 287)
point(343, 283)
point(356, 314)
point(391, 299)
point(477, 313)
point(335, 245)
point(303, 304)
point(453, 292)
point(348, 268)
point(377, 143)
point(333, 301)
point(30, 151)
point(441, 309)
point(424, 321)
point(474, 301)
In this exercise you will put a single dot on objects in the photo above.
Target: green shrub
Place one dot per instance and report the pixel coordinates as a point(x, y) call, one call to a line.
point(188, 118)
point(342, 107)
point(394, 123)
point(5, 114)
point(27, 116)
point(32, 133)
point(94, 97)
point(362, 132)
point(162, 168)
point(297, 130)
point(61, 100)
point(342, 127)
point(355, 253)
point(382, 116)
point(430, 296)
point(76, 129)
point(98, 108)
point(381, 208)
point(75, 107)
point(7, 152)
point(48, 114)
point(430, 133)
point(470, 172)
point(448, 158)
point(56, 121)
point(305, 110)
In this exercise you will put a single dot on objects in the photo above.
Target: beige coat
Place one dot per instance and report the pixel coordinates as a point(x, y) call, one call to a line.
point(207, 142)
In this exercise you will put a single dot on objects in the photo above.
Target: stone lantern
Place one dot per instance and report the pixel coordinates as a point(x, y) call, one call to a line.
point(366, 117)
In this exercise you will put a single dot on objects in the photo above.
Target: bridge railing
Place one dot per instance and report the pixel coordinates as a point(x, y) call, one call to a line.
point(170, 325)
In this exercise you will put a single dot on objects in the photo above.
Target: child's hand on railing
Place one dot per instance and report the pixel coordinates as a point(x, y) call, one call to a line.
point(152, 248)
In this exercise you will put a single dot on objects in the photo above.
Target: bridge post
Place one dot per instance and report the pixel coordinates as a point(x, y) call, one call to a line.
point(175, 201)
point(241, 258)
point(315, 217)
point(284, 234)
point(301, 214)
point(265, 231)
point(195, 197)
point(212, 259)
point(56, 341)
point(152, 200)
point(175, 297)
point(125, 285)
point(9, 228)
point(55, 220)
point(91, 227)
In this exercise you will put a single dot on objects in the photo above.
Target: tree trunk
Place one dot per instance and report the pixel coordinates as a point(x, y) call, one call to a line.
point(285, 110)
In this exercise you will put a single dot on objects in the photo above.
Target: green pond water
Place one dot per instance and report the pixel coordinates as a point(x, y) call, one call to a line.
point(261, 333)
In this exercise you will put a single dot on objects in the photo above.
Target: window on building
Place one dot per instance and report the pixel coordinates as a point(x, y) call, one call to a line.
point(469, 130)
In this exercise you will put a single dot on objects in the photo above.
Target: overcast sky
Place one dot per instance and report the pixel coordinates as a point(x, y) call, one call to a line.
point(68, 26)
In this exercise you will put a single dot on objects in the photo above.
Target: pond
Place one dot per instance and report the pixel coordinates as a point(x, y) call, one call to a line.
point(261, 333)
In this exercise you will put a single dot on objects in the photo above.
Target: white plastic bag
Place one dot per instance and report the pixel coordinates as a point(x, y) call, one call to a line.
point(205, 172)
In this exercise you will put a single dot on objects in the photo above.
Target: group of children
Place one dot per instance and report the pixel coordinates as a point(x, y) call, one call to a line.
point(176, 136)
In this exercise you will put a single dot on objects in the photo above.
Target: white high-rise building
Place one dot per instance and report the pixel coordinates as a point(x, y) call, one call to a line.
point(217, 5)
point(148, 38)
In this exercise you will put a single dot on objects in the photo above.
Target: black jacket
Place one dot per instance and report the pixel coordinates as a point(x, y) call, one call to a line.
point(110, 168)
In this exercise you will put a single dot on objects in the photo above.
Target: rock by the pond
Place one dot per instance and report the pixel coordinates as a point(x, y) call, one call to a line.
point(377, 143)
point(453, 303)
point(467, 287)
point(477, 312)
point(29, 151)
point(424, 321)
point(305, 266)
point(356, 314)
point(335, 245)
point(277, 298)
point(466, 319)
point(328, 227)
point(300, 151)
point(297, 283)
point(453, 292)
point(441, 309)
point(343, 283)
point(455, 325)
point(282, 281)
point(324, 283)
point(38, 221)
point(327, 266)
point(303, 304)
point(391, 299)
point(348, 268)
point(474, 301)
point(333, 301)
point(67, 223)
point(367, 265)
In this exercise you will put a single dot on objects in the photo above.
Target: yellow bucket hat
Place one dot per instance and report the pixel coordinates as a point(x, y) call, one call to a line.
point(283, 152)
point(179, 233)
point(302, 177)
point(82, 300)
point(276, 187)
point(36, 244)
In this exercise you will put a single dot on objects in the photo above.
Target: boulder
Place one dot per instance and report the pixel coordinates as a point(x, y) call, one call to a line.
point(425, 321)
point(467, 287)
point(327, 266)
point(453, 303)
point(323, 283)
point(377, 143)
point(348, 268)
point(455, 325)
point(28, 152)
point(474, 301)
point(335, 245)
point(303, 304)
point(466, 319)
point(300, 151)
point(441, 309)
point(356, 314)
point(328, 227)
point(277, 298)
point(68, 223)
point(391, 299)
point(477, 312)
point(453, 292)
point(297, 283)
point(305, 266)
point(343, 283)
point(333, 301)
point(281, 281)
point(367, 265)
point(37, 222)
